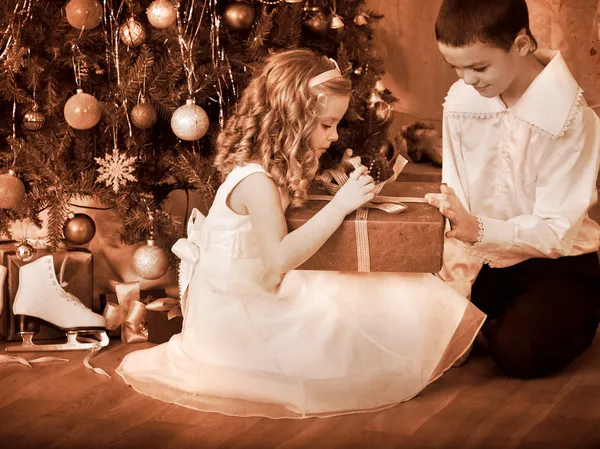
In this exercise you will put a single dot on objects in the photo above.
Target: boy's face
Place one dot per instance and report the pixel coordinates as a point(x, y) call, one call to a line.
point(326, 130)
point(490, 70)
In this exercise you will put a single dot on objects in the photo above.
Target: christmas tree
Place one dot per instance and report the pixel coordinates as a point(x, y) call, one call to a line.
point(122, 100)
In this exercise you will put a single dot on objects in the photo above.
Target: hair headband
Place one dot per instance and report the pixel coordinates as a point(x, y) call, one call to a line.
point(326, 76)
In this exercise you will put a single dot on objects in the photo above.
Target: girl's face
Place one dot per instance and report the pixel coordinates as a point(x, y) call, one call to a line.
point(326, 130)
point(490, 70)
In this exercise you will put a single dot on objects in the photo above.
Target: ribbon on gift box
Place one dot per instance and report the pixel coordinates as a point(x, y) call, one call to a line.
point(390, 205)
point(188, 250)
point(129, 313)
point(169, 305)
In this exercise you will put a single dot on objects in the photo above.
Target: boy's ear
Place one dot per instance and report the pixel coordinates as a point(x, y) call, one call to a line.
point(522, 43)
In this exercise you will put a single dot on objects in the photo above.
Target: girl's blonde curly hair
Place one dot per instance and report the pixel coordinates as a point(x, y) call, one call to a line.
point(275, 119)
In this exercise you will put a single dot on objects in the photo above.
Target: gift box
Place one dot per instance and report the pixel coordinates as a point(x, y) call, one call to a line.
point(77, 277)
point(160, 327)
point(145, 296)
point(410, 241)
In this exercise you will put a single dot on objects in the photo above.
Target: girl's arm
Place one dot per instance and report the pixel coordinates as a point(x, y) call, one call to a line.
point(283, 252)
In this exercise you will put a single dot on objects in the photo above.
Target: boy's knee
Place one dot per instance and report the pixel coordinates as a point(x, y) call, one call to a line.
point(519, 354)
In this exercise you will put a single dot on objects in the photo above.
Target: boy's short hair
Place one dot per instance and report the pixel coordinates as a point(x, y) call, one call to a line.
point(461, 23)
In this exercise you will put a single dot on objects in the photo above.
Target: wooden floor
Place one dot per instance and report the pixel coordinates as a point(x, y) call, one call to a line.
point(64, 405)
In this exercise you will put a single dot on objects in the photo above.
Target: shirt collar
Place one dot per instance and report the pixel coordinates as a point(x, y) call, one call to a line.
point(547, 104)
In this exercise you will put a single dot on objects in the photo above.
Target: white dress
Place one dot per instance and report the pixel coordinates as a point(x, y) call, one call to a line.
point(310, 343)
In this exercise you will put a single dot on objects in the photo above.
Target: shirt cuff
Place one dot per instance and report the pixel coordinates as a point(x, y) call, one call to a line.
point(496, 231)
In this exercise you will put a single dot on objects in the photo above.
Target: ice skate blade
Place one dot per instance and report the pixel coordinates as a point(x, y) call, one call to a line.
point(72, 344)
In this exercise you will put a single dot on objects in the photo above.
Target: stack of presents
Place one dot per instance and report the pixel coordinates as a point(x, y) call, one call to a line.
point(368, 240)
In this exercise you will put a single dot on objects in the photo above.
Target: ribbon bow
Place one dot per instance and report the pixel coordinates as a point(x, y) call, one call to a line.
point(169, 305)
point(129, 313)
point(188, 250)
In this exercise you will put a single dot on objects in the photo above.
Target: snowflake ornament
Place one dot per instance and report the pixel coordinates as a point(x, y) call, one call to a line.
point(115, 169)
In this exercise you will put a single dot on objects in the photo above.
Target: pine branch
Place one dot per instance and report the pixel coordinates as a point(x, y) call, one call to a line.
point(57, 216)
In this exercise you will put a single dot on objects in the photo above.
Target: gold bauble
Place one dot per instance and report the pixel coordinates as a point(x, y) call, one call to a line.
point(161, 14)
point(317, 24)
point(34, 120)
point(12, 191)
point(25, 251)
point(189, 122)
point(132, 32)
point(84, 13)
point(79, 229)
point(82, 111)
point(150, 261)
point(143, 115)
point(238, 16)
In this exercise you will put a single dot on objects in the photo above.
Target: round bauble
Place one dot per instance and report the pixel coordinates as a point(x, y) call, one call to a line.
point(317, 25)
point(24, 251)
point(12, 191)
point(382, 112)
point(79, 229)
point(189, 122)
point(150, 261)
point(238, 16)
point(82, 111)
point(143, 115)
point(161, 14)
point(84, 13)
point(132, 32)
point(34, 120)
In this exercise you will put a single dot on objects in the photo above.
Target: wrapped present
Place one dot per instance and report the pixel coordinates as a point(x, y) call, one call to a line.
point(127, 289)
point(163, 319)
point(372, 239)
point(74, 268)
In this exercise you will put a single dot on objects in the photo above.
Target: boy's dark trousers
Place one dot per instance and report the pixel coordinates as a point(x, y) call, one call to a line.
point(542, 313)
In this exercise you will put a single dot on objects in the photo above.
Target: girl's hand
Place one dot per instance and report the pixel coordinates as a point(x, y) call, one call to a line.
point(355, 192)
point(465, 226)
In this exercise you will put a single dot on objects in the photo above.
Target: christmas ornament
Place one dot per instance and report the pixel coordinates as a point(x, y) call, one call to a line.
point(373, 99)
point(82, 111)
point(132, 32)
point(189, 122)
point(143, 115)
point(161, 14)
point(34, 120)
point(358, 71)
point(382, 111)
point(84, 13)
point(379, 86)
point(317, 24)
point(360, 19)
point(238, 16)
point(79, 229)
point(336, 22)
point(150, 261)
point(310, 8)
point(12, 191)
point(116, 169)
point(24, 251)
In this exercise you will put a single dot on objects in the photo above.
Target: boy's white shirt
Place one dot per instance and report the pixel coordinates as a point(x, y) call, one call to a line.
point(528, 172)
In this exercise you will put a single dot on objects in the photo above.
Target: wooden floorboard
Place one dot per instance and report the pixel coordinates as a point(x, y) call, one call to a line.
point(64, 405)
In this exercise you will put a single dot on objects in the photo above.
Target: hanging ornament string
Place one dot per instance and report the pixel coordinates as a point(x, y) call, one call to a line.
point(10, 37)
point(186, 44)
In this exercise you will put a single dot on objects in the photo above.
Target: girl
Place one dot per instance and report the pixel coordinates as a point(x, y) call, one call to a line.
point(521, 151)
point(261, 340)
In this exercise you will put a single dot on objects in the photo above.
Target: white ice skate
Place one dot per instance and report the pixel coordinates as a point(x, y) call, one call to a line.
point(41, 297)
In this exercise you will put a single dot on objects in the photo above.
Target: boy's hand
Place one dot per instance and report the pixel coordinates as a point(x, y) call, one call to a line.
point(355, 192)
point(465, 226)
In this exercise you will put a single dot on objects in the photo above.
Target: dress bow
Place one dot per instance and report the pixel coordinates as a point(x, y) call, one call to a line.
point(188, 250)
